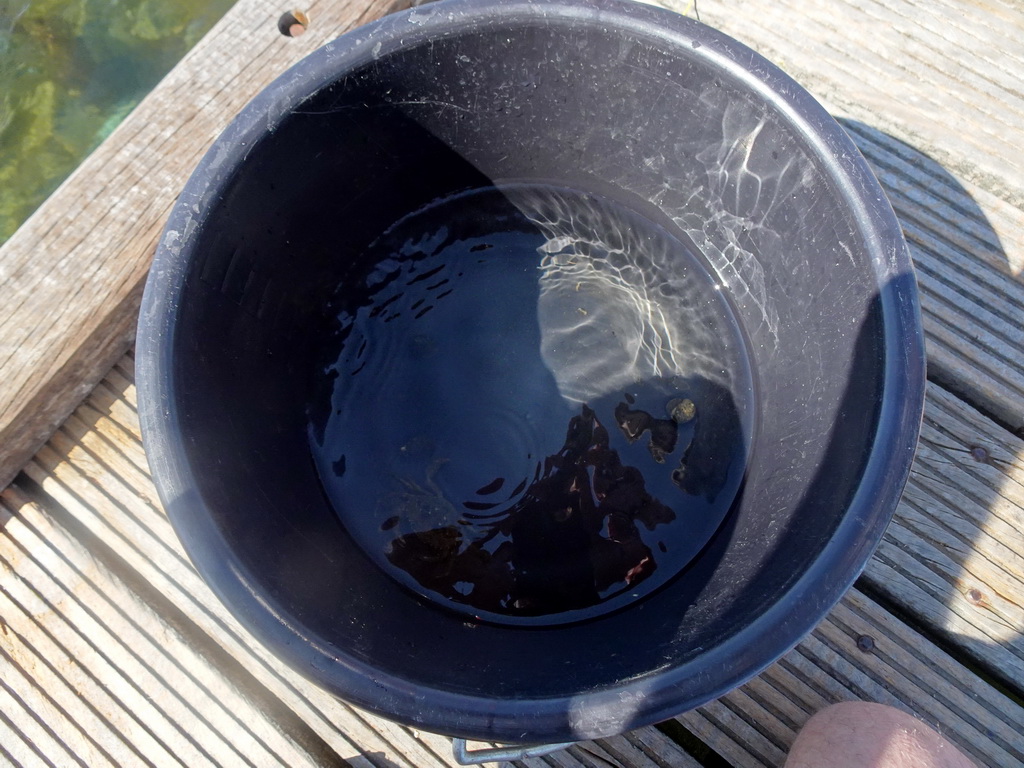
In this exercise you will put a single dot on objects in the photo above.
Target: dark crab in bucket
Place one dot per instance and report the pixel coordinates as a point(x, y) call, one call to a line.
point(569, 384)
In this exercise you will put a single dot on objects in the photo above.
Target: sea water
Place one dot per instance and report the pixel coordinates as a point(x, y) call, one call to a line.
point(541, 404)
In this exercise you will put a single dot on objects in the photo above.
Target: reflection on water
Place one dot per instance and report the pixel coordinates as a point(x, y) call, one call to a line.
point(608, 284)
point(71, 71)
point(539, 405)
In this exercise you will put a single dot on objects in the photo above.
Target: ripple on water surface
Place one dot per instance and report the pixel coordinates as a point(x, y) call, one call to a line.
point(540, 405)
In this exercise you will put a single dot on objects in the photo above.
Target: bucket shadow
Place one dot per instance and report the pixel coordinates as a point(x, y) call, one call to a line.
point(973, 289)
point(939, 561)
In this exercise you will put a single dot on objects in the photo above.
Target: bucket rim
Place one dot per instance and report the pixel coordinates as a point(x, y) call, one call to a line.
point(661, 694)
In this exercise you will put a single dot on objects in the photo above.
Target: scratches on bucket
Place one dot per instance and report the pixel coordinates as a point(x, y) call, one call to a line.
point(610, 712)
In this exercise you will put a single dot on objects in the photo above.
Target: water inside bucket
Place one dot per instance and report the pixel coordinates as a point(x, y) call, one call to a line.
point(540, 405)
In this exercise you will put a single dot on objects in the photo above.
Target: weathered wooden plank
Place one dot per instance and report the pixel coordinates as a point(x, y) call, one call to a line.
point(39, 661)
point(954, 556)
point(26, 737)
point(879, 80)
point(732, 735)
point(659, 748)
point(121, 641)
point(71, 277)
point(755, 725)
point(645, 748)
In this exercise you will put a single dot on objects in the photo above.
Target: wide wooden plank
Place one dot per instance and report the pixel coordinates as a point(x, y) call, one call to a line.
point(71, 277)
point(931, 73)
point(92, 479)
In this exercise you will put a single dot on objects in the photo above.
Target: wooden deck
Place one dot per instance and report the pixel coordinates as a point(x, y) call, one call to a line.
point(114, 652)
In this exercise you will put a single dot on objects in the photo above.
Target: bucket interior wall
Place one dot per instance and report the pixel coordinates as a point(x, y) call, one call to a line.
point(627, 117)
